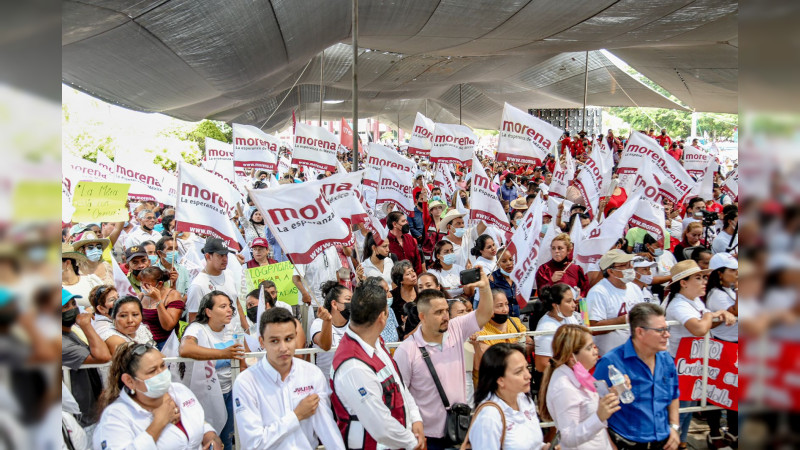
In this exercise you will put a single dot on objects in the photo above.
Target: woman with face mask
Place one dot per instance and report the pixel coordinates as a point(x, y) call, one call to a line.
point(71, 280)
point(501, 279)
point(330, 325)
point(568, 395)
point(561, 268)
point(162, 305)
point(561, 306)
point(377, 262)
point(500, 323)
point(664, 260)
point(446, 270)
point(102, 299)
point(143, 408)
point(128, 327)
point(685, 306)
point(93, 247)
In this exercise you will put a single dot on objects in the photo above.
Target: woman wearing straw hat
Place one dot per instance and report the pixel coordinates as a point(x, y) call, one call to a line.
point(93, 247)
point(685, 306)
point(70, 278)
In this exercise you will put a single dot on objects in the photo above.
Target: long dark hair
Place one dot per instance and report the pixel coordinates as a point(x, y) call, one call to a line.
point(369, 241)
point(331, 290)
point(207, 302)
point(480, 245)
point(714, 281)
point(493, 366)
point(548, 296)
point(436, 264)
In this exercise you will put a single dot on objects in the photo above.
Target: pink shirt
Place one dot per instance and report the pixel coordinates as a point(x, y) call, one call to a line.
point(449, 363)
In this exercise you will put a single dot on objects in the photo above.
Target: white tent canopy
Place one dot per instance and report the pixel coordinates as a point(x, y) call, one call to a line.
point(236, 61)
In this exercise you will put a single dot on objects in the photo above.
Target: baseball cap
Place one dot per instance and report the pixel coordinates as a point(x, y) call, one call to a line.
point(218, 246)
point(723, 260)
point(612, 257)
point(134, 251)
point(66, 296)
point(642, 262)
point(259, 242)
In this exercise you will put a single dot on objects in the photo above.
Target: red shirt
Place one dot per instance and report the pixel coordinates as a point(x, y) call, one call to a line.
point(714, 207)
point(664, 140)
point(566, 144)
point(676, 153)
point(408, 251)
point(551, 165)
point(573, 276)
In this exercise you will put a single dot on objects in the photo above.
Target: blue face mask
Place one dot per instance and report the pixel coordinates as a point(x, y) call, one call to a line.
point(153, 259)
point(436, 198)
point(519, 222)
point(94, 254)
point(545, 227)
point(459, 232)
point(125, 225)
point(658, 252)
point(449, 259)
point(172, 257)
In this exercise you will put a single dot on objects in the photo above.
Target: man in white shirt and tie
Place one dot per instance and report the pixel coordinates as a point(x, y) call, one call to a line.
point(283, 402)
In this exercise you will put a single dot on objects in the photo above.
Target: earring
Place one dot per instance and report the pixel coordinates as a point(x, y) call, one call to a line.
point(131, 391)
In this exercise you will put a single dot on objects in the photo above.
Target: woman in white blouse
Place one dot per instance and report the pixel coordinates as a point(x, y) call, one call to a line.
point(376, 258)
point(504, 384)
point(143, 408)
point(568, 395)
point(485, 253)
point(446, 270)
point(128, 327)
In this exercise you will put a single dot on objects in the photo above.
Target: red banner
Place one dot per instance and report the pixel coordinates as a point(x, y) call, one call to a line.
point(346, 138)
point(723, 372)
point(770, 373)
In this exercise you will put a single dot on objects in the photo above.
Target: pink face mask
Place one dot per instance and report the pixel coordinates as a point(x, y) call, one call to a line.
point(584, 377)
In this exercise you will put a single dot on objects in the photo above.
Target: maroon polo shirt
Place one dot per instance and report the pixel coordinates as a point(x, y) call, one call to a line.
point(408, 251)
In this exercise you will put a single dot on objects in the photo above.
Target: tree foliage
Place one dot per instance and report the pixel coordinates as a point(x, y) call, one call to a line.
point(677, 122)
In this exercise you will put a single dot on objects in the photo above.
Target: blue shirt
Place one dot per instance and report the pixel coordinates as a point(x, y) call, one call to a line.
point(507, 193)
point(416, 224)
point(500, 282)
point(647, 418)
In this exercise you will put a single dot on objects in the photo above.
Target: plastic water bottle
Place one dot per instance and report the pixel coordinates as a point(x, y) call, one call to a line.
point(618, 381)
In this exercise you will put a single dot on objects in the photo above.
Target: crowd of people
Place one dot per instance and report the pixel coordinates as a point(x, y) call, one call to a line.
point(136, 291)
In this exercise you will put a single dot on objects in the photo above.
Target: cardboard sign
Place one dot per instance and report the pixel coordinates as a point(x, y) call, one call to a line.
point(525, 139)
point(453, 144)
point(420, 142)
point(280, 274)
point(254, 149)
point(100, 202)
point(723, 371)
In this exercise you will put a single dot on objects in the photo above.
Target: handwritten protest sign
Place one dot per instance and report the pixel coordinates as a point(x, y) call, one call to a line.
point(100, 202)
point(280, 274)
point(723, 371)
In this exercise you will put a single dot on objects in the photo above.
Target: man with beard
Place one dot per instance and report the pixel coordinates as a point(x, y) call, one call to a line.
point(440, 342)
point(145, 232)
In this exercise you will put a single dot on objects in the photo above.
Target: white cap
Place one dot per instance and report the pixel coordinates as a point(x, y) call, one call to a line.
point(721, 260)
point(642, 262)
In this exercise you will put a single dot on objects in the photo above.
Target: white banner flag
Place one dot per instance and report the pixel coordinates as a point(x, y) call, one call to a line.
point(343, 193)
point(205, 205)
point(602, 237)
point(106, 164)
point(525, 139)
point(170, 188)
point(483, 200)
point(524, 247)
point(591, 180)
point(380, 156)
point(704, 187)
point(562, 177)
point(641, 150)
point(314, 147)
point(444, 180)
point(75, 169)
point(420, 142)
point(302, 220)
point(695, 161)
point(396, 186)
point(254, 149)
point(453, 144)
point(731, 184)
point(145, 178)
point(218, 150)
point(649, 214)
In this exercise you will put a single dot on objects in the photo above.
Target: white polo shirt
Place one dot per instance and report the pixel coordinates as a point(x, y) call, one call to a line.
point(264, 407)
point(606, 301)
point(124, 423)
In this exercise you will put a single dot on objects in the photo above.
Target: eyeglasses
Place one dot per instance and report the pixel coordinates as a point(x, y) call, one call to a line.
point(660, 331)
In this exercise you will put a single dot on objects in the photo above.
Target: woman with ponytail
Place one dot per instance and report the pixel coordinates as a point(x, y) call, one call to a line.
point(377, 262)
point(143, 408)
point(568, 396)
point(560, 303)
point(161, 304)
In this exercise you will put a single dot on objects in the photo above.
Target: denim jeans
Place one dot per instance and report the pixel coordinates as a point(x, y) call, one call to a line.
point(227, 431)
point(686, 419)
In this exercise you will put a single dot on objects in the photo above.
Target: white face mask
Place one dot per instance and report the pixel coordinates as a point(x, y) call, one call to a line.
point(158, 385)
point(646, 279)
point(628, 275)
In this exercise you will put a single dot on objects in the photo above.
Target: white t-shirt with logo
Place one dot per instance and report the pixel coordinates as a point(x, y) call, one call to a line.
point(605, 301)
point(719, 300)
point(324, 360)
point(450, 279)
point(219, 340)
point(204, 283)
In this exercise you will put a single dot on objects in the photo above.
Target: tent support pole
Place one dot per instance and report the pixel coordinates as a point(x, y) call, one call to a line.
point(321, 83)
point(459, 103)
point(355, 85)
point(585, 89)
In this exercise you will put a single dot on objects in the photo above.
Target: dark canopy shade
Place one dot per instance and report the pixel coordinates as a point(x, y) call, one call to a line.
point(236, 61)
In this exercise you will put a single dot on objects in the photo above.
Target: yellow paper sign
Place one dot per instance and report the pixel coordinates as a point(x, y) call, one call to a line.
point(280, 274)
point(100, 202)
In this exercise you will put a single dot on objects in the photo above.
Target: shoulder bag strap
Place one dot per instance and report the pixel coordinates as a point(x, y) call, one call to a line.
point(514, 324)
point(466, 445)
point(432, 370)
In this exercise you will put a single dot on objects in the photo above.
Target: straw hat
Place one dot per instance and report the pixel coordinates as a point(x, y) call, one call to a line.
point(67, 252)
point(685, 269)
point(449, 217)
point(90, 238)
point(519, 203)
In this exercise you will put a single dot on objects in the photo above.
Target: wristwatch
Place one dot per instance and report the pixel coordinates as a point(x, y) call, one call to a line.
point(675, 427)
